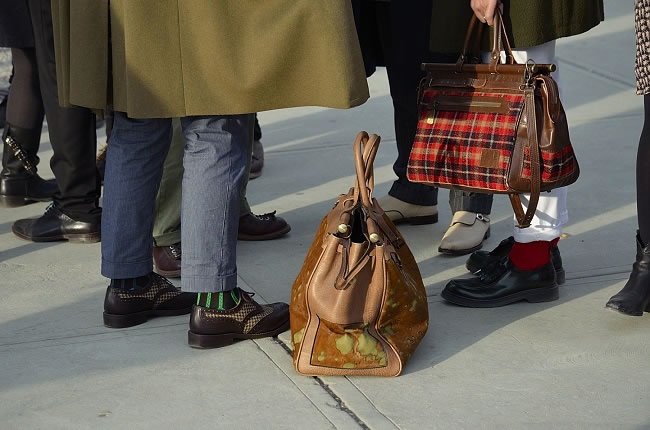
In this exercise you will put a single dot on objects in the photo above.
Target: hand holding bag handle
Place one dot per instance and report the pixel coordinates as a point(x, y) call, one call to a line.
point(500, 42)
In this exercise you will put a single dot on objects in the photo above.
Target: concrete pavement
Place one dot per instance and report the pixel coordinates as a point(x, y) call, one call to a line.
point(568, 364)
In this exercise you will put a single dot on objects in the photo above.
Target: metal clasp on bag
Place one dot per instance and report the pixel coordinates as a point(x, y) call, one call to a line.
point(529, 74)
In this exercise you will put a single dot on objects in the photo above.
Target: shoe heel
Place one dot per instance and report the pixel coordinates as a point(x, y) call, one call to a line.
point(543, 295)
point(560, 276)
point(13, 201)
point(205, 341)
point(422, 220)
point(124, 321)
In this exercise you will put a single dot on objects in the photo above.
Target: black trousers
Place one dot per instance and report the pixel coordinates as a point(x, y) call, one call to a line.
point(71, 130)
point(643, 176)
point(396, 34)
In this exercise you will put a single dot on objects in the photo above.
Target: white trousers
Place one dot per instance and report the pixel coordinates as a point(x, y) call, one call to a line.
point(551, 214)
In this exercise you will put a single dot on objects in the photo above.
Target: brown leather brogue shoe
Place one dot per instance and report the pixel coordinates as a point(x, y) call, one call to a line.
point(262, 227)
point(159, 298)
point(211, 328)
point(167, 260)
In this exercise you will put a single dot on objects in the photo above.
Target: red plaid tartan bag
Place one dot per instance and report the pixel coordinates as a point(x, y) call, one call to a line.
point(492, 128)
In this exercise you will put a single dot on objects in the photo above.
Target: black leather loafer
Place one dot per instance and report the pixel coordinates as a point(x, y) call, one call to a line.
point(54, 225)
point(502, 286)
point(480, 260)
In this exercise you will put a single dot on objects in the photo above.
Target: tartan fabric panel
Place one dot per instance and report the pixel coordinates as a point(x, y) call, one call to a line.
point(555, 166)
point(449, 145)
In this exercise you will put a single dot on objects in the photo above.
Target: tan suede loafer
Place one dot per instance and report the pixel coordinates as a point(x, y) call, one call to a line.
point(465, 234)
point(401, 212)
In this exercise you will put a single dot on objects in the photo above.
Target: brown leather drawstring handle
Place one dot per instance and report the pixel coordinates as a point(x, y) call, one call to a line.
point(365, 150)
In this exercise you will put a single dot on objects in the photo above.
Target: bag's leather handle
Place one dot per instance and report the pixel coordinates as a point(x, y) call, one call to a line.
point(500, 41)
point(474, 29)
point(535, 175)
point(365, 150)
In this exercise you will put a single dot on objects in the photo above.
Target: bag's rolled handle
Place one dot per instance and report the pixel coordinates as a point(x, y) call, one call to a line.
point(365, 150)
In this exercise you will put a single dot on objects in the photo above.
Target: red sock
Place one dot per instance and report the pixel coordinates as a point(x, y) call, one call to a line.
point(532, 255)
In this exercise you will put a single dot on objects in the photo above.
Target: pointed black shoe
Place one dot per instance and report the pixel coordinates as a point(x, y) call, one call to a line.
point(19, 182)
point(502, 285)
point(480, 260)
point(634, 298)
point(54, 225)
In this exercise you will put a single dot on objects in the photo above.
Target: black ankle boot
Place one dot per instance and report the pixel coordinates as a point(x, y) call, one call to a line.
point(19, 182)
point(634, 298)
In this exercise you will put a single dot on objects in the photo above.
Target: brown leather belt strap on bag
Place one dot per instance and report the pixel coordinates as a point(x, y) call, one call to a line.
point(535, 175)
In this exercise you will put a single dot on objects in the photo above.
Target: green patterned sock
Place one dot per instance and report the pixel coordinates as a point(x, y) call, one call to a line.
point(221, 301)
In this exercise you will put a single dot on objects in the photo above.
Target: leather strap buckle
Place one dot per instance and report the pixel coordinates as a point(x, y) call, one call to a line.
point(20, 154)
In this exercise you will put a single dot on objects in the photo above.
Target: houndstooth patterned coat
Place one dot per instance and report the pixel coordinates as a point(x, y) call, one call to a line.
point(642, 24)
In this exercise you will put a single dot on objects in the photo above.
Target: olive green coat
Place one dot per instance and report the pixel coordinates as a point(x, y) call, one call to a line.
point(528, 22)
point(172, 58)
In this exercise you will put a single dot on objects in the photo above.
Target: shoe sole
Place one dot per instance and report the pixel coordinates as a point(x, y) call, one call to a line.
point(536, 295)
point(130, 320)
point(630, 314)
point(457, 252)
point(18, 201)
point(73, 238)
point(268, 236)
point(208, 341)
point(168, 273)
point(417, 220)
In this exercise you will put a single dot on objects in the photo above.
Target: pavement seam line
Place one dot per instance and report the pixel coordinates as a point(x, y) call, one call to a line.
point(294, 384)
point(339, 402)
point(389, 419)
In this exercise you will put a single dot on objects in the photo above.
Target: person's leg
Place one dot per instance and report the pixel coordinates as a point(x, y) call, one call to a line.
point(528, 273)
point(405, 47)
point(167, 215)
point(134, 163)
point(76, 213)
point(24, 103)
point(215, 161)
point(251, 226)
point(643, 177)
point(257, 160)
point(167, 252)
point(19, 181)
point(470, 224)
point(634, 298)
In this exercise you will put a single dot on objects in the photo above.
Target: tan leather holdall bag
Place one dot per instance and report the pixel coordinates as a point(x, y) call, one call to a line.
point(358, 306)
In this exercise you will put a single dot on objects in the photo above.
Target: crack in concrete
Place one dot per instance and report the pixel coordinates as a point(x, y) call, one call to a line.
point(340, 404)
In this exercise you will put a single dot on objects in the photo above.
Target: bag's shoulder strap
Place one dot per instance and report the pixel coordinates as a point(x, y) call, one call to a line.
point(535, 175)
